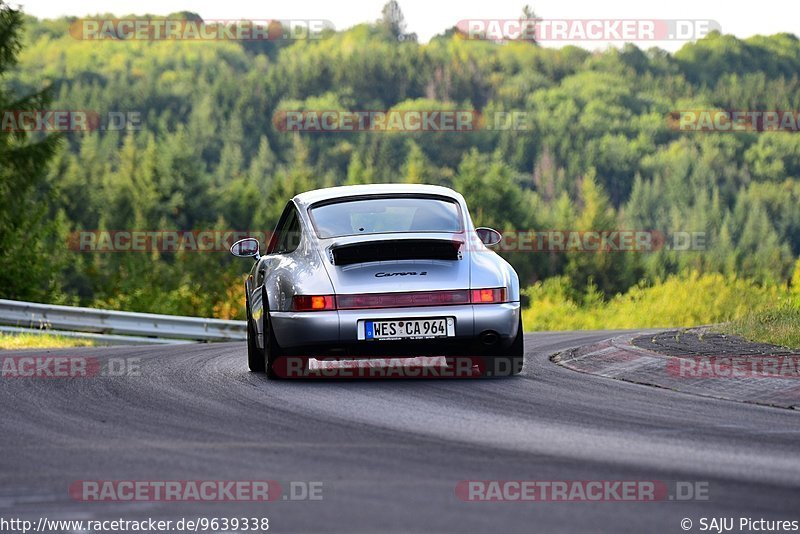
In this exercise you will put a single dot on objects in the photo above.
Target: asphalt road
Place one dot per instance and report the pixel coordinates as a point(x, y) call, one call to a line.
point(389, 453)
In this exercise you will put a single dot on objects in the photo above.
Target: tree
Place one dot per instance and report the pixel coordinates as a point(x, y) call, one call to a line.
point(496, 200)
point(28, 234)
point(416, 168)
point(592, 150)
point(394, 23)
point(358, 173)
point(590, 271)
point(528, 24)
point(795, 283)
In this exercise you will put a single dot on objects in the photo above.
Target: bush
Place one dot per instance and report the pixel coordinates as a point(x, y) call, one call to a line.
point(778, 326)
point(689, 299)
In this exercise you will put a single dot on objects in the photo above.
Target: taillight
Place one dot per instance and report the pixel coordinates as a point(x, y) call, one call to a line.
point(398, 300)
point(402, 300)
point(489, 296)
point(313, 303)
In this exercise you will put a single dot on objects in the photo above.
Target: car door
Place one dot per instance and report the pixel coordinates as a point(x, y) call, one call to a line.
point(284, 240)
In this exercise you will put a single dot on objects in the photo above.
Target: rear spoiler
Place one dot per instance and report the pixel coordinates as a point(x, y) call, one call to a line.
point(396, 249)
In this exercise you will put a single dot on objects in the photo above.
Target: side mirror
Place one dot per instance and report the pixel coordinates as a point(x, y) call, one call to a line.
point(488, 236)
point(246, 248)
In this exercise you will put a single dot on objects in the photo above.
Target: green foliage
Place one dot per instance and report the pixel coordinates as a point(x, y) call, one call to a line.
point(29, 231)
point(41, 341)
point(795, 284)
point(594, 153)
point(603, 271)
point(690, 299)
point(777, 325)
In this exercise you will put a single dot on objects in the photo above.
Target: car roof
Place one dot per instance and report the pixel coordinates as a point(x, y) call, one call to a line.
point(317, 195)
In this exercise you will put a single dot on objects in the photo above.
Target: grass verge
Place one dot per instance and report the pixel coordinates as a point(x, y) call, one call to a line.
point(777, 326)
point(690, 299)
point(40, 341)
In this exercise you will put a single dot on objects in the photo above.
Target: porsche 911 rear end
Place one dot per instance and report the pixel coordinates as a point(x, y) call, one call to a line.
point(408, 277)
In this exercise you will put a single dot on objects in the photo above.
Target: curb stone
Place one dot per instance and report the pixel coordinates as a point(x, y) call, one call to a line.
point(624, 358)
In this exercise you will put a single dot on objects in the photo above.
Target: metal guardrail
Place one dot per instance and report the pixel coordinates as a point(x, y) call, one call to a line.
point(48, 318)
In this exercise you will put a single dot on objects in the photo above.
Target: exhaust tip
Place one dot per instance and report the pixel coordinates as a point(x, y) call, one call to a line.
point(489, 338)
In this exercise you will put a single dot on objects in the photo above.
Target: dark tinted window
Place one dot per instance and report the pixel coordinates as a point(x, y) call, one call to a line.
point(288, 234)
point(386, 215)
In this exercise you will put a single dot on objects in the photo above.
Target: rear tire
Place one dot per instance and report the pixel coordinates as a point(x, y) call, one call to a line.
point(271, 351)
point(255, 357)
point(510, 363)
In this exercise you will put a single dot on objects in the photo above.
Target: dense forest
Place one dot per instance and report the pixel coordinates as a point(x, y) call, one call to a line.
point(597, 153)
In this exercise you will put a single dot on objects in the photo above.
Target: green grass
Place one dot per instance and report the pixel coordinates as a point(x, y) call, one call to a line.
point(40, 341)
point(777, 326)
point(690, 299)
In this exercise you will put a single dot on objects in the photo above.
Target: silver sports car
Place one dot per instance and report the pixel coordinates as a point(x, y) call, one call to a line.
point(372, 271)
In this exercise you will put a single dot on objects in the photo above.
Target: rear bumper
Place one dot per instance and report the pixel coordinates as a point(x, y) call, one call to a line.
point(337, 331)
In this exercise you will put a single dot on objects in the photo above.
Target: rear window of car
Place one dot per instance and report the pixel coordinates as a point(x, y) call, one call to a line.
point(385, 215)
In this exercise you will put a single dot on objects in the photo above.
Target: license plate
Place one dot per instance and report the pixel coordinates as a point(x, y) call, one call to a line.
point(409, 328)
